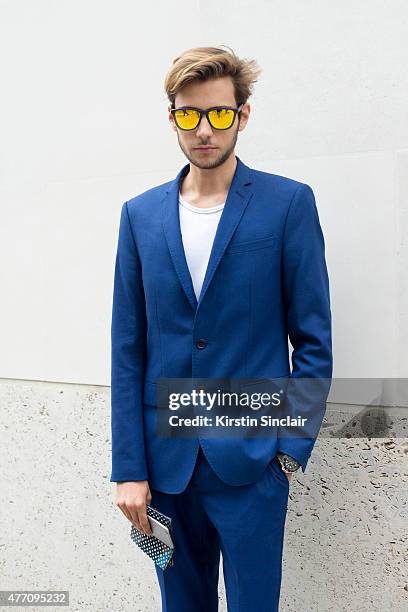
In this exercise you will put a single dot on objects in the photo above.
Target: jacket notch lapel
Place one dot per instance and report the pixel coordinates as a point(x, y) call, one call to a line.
point(239, 195)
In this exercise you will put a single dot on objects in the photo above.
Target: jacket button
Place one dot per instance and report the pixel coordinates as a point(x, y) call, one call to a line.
point(201, 343)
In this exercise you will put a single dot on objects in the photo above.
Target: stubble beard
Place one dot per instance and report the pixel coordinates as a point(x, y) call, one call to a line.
point(211, 163)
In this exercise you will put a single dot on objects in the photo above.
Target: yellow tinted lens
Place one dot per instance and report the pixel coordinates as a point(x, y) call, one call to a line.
point(221, 118)
point(187, 118)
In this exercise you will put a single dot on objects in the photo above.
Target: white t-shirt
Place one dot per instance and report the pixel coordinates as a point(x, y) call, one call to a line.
point(198, 227)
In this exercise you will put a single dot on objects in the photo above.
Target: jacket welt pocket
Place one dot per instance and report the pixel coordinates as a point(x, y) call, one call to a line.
point(250, 245)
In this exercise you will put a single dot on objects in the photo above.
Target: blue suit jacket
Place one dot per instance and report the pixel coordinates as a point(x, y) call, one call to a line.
point(266, 280)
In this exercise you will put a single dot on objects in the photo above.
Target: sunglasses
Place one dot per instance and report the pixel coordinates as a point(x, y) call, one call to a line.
point(219, 117)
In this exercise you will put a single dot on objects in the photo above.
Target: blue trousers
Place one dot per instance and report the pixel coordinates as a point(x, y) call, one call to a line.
point(246, 523)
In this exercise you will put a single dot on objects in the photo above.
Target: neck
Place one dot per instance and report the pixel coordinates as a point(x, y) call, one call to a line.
point(201, 183)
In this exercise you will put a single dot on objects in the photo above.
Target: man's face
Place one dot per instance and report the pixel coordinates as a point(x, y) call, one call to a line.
point(204, 94)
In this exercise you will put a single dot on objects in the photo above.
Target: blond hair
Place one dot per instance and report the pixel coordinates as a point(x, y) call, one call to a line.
point(204, 63)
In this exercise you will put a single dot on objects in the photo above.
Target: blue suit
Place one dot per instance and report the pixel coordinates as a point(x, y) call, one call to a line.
point(266, 280)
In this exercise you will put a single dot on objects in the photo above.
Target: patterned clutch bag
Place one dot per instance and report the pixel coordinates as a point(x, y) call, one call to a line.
point(160, 552)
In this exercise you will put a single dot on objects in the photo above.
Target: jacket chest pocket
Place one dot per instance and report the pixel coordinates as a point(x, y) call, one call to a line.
point(250, 245)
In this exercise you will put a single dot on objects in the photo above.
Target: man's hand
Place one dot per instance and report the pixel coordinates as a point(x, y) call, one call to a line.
point(289, 476)
point(132, 498)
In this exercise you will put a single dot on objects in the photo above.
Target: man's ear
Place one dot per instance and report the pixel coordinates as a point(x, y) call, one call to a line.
point(245, 112)
point(171, 119)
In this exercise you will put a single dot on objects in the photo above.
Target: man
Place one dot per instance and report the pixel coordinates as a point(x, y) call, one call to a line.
point(214, 271)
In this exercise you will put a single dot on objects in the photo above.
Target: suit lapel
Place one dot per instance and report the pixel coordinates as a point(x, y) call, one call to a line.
point(238, 197)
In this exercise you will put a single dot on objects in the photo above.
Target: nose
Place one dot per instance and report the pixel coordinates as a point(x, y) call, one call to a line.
point(204, 129)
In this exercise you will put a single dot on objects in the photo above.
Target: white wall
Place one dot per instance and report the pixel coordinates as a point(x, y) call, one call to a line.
point(76, 142)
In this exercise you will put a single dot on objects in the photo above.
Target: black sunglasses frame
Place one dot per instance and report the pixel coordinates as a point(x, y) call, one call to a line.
point(206, 112)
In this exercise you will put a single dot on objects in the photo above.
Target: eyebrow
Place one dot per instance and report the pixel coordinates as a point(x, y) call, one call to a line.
point(208, 107)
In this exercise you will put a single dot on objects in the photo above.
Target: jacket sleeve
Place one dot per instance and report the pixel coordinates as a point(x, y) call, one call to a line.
point(305, 284)
point(128, 352)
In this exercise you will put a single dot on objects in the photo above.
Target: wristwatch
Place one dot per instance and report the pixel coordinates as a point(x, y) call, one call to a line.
point(288, 463)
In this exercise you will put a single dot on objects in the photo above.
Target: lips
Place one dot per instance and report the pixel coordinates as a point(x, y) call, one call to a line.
point(203, 148)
